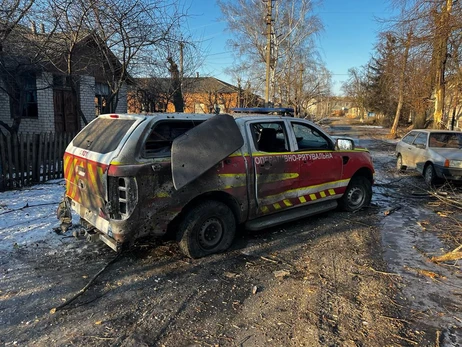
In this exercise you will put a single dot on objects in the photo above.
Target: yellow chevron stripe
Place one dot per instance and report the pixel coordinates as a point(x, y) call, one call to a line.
point(92, 175)
point(313, 196)
point(331, 192)
point(287, 202)
point(302, 199)
point(277, 206)
point(323, 194)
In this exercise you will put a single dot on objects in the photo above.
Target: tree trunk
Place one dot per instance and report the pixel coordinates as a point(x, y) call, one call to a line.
point(178, 102)
point(402, 76)
point(442, 38)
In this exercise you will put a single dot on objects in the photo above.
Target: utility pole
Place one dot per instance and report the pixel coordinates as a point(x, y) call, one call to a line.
point(269, 10)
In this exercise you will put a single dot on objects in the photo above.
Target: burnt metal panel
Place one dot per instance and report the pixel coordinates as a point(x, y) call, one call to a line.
point(202, 147)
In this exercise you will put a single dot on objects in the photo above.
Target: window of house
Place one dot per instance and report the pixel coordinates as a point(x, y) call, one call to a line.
point(199, 108)
point(28, 105)
point(101, 95)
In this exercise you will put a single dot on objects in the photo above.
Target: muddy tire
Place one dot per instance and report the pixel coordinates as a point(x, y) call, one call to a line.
point(429, 175)
point(206, 229)
point(357, 195)
point(399, 163)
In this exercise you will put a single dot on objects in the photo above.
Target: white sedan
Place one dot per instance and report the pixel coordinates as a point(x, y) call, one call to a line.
point(436, 154)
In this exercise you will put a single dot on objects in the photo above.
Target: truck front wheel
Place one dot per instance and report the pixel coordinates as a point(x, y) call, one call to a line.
point(357, 195)
point(206, 229)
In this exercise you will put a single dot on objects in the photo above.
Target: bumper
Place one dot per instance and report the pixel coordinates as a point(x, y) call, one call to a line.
point(453, 174)
point(97, 227)
point(116, 233)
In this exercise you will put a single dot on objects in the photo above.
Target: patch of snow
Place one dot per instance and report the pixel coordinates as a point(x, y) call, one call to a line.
point(28, 216)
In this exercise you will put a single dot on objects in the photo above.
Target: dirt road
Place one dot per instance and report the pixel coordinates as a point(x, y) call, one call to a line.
point(337, 279)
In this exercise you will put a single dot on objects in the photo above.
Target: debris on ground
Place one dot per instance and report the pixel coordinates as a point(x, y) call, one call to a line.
point(454, 255)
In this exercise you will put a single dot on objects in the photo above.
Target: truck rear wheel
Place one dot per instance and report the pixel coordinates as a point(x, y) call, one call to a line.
point(357, 195)
point(206, 229)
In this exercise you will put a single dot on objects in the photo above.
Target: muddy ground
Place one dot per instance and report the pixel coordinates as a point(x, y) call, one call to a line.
point(337, 279)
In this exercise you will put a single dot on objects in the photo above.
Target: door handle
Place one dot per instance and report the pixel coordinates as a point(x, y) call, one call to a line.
point(266, 165)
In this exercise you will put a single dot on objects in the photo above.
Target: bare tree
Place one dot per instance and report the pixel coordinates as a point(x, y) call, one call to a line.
point(401, 83)
point(108, 39)
point(356, 88)
point(14, 62)
point(437, 24)
point(293, 52)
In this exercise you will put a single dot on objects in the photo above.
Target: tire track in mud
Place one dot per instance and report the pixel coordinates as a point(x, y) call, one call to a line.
point(350, 301)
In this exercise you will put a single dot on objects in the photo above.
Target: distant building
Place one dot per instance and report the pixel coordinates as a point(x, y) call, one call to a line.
point(36, 91)
point(200, 95)
point(333, 106)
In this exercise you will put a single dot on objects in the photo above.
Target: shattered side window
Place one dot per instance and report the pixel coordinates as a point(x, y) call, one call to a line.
point(309, 138)
point(270, 137)
point(159, 141)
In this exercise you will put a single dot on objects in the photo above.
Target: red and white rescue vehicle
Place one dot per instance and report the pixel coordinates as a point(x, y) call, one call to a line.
point(200, 176)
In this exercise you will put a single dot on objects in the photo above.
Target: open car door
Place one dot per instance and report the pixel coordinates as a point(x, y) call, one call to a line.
point(202, 147)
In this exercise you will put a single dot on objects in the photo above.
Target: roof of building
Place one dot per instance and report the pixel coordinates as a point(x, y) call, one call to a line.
point(193, 84)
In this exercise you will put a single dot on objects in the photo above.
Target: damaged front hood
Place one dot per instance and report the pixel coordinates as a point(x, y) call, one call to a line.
point(202, 147)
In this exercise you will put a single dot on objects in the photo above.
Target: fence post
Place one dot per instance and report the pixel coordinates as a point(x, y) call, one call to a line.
point(3, 183)
point(39, 157)
point(10, 161)
point(28, 160)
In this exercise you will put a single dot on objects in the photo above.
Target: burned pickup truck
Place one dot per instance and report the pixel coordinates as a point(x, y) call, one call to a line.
point(200, 176)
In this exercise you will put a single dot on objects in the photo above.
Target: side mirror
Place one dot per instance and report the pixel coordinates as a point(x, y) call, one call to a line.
point(344, 144)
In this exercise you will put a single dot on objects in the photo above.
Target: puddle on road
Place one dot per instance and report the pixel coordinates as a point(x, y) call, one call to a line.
point(435, 303)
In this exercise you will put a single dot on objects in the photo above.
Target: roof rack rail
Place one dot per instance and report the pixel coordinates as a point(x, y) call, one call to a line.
point(282, 111)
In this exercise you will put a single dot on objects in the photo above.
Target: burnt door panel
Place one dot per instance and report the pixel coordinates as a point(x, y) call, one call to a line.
point(276, 171)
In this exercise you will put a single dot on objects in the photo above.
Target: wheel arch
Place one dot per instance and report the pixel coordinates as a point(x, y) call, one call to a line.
point(428, 162)
point(425, 165)
point(365, 172)
point(223, 197)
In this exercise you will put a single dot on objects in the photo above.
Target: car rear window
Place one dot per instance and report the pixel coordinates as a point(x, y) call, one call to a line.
point(103, 135)
point(446, 140)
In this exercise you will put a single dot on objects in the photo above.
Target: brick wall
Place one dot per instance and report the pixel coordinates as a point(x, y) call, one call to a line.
point(45, 120)
point(87, 97)
point(122, 104)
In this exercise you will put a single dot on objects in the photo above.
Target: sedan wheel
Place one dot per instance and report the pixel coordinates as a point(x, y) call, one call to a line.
point(429, 174)
point(399, 163)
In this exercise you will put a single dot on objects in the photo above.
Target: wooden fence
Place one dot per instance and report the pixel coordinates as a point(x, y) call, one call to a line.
point(27, 159)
